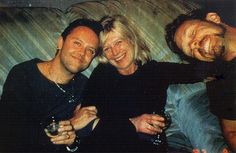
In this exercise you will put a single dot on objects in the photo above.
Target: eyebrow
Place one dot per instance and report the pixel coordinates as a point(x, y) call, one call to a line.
point(115, 40)
point(76, 38)
point(185, 30)
point(191, 27)
point(91, 47)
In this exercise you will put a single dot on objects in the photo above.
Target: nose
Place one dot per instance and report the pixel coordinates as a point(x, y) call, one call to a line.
point(82, 50)
point(194, 44)
point(115, 50)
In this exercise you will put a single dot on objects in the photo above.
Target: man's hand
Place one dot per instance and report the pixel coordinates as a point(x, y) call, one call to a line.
point(66, 134)
point(82, 116)
point(148, 123)
point(213, 17)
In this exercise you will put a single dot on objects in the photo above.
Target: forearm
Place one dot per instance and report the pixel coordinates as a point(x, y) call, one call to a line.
point(195, 72)
point(116, 128)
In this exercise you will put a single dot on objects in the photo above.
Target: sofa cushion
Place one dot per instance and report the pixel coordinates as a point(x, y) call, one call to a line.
point(150, 16)
point(26, 33)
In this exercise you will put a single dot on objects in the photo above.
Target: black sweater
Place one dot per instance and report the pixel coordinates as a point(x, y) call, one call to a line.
point(119, 97)
point(222, 92)
point(28, 100)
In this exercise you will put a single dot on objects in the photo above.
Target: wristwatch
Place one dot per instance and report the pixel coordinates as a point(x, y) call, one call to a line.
point(74, 146)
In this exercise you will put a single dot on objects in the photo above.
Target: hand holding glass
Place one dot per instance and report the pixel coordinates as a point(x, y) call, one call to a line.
point(167, 121)
point(51, 129)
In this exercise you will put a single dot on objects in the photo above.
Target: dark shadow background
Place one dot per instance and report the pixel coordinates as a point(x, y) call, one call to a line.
point(226, 8)
point(60, 4)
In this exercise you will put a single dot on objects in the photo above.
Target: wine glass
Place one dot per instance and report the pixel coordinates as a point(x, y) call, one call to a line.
point(51, 129)
point(167, 121)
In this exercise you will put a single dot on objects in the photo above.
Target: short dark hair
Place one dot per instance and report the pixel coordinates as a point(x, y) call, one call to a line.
point(92, 24)
point(172, 27)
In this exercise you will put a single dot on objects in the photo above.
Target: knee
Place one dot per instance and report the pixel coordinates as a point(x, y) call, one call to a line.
point(231, 139)
point(229, 130)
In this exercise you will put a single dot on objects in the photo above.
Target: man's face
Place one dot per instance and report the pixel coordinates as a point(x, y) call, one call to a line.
point(119, 51)
point(202, 40)
point(78, 49)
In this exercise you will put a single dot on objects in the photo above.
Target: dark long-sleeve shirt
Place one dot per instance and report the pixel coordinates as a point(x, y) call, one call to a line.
point(28, 100)
point(119, 97)
point(222, 92)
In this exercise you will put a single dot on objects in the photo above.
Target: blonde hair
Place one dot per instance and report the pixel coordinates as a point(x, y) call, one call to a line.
point(121, 25)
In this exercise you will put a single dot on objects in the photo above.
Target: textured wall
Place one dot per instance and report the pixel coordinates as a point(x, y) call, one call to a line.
point(149, 16)
point(26, 33)
point(60, 4)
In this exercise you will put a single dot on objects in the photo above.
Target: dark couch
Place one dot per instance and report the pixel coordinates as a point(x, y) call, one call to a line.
point(26, 33)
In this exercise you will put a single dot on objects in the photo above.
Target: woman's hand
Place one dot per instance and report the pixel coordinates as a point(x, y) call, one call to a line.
point(66, 134)
point(82, 116)
point(148, 123)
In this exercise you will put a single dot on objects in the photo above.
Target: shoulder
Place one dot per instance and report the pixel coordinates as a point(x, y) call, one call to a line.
point(26, 64)
point(232, 67)
point(103, 69)
point(24, 67)
point(102, 73)
point(150, 64)
point(234, 62)
point(20, 74)
point(81, 79)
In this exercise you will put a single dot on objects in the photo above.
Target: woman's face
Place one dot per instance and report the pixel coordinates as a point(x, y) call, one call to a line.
point(120, 53)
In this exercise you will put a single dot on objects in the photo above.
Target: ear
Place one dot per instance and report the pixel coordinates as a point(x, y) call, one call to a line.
point(60, 43)
point(213, 17)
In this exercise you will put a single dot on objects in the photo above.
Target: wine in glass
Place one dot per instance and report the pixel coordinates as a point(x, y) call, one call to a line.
point(51, 129)
point(167, 121)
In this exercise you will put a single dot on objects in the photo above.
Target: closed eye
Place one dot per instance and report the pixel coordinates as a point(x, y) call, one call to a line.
point(193, 33)
point(106, 49)
point(92, 51)
point(77, 43)
point(118, 42)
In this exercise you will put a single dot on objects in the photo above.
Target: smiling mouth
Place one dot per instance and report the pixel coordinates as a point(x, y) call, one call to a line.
point(78, 58)
point(211, 45)
point(119, 58)
point(206, 42)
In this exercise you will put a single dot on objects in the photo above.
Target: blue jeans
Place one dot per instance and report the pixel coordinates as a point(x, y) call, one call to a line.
point(193, 125)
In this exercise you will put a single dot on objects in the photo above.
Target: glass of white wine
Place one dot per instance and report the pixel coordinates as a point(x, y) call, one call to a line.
point(157, 138)
point(51, 129)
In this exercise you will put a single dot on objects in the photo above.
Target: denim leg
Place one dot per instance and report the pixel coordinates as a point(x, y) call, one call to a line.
point(193, 126)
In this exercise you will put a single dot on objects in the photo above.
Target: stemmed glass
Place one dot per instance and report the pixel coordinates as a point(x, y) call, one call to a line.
point(157, 139)
point(52, 126)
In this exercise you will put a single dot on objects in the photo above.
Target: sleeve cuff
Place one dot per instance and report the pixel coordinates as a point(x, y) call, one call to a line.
point(74, 146)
